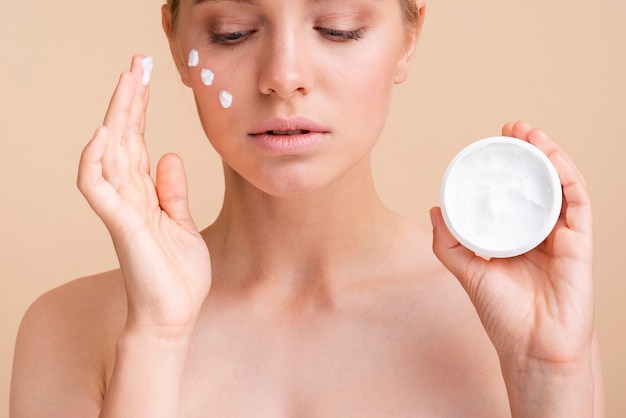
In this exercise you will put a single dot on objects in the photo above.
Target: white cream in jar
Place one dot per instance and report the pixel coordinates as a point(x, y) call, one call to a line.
point(501, 197)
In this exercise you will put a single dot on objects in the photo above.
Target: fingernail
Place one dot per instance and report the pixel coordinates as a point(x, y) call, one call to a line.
point(147, 64)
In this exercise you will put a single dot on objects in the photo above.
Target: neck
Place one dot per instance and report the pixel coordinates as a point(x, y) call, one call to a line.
point(299, 240)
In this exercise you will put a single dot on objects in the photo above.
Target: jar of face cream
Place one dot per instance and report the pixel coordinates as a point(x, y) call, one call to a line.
point(501, 197)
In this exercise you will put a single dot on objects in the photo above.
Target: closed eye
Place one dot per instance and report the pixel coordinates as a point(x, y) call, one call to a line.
point(341, 35)
point(230, 38)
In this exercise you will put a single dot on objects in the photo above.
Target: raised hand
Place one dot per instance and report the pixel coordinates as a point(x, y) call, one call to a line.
point(163, 258)
point(537, 308)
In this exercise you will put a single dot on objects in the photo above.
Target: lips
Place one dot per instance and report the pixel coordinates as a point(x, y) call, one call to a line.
point(292, 126)
point(289, 136)
point(288, 132)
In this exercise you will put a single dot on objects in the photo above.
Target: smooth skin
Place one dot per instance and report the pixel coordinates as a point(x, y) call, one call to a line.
point(315, 300)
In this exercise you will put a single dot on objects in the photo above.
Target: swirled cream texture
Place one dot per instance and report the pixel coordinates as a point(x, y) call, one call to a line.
point(501, 197)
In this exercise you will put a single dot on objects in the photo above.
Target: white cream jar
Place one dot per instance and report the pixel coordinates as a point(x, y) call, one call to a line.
point(501, 197)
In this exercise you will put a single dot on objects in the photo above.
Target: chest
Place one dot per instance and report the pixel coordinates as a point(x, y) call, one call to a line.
point(336, 368)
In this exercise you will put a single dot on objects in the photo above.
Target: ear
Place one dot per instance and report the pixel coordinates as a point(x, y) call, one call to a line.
point(168, 28)
point(408, 51)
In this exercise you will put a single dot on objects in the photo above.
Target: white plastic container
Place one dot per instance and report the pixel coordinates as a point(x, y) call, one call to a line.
point(501, 197)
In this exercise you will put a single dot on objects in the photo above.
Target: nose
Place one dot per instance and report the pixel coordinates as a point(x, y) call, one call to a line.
point(284, 70)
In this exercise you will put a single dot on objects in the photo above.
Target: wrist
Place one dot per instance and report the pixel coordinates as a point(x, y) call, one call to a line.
point(154, 338)
point(147, 374)
point(542, 388)
point(141, 327)
point(152, 353)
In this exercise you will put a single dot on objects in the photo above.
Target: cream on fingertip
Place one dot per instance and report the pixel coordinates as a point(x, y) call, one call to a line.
point(147, 64)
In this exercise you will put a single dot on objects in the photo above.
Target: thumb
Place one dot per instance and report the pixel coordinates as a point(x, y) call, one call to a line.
point(171, 184)
point(463, 263)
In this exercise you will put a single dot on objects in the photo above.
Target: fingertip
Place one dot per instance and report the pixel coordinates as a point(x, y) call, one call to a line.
point(171, 179)
point(435, 216)
point(147, 65)
point(442, 237)
point(141, 67)
point(507, 128)
point(170, 161)
point(520, 129)
point(136, 60)
point(172, 191)
point(126, 77)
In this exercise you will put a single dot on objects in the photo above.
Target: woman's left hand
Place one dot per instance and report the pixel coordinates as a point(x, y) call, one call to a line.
point(537, 308)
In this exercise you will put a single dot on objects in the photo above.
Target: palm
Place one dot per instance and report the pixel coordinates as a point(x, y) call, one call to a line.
point(164, 260)
point(537, 304)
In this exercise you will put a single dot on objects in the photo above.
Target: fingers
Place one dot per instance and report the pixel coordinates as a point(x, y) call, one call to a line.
point(537, 137)
point(135, 128)
point(118, 113)
point(126, 116)
point(171, 183)
point(577, 203)
point(100, 194)
point(130, 93)
point(117, 146)
point(516, 129)
point(578, 213)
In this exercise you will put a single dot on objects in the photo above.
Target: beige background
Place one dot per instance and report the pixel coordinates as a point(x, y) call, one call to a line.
point(560, 64)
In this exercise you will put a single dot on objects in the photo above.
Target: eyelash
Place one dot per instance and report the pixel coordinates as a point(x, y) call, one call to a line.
point(336, 35)
point(341, 35)
point(230, 38)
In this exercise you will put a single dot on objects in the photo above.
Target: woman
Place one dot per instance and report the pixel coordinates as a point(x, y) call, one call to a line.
point(316, 300)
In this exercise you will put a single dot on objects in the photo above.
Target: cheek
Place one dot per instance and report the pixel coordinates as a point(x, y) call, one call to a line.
point(368, 71)
point(364, 90)
point(218, 91)
point(209, 81)
point(207, 76)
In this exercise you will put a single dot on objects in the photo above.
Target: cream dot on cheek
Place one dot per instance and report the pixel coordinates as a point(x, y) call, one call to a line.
point(226, 99)
point(194, 58)
point(207, 76)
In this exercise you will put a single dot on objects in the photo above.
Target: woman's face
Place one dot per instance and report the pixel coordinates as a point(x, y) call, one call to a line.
point(310, 82)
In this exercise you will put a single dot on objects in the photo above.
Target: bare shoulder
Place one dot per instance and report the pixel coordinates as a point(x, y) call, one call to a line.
point(432, 292)
point(459, 362)
point(64, 346)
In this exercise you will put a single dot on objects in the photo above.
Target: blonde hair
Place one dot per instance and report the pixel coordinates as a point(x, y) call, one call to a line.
point(410, 12)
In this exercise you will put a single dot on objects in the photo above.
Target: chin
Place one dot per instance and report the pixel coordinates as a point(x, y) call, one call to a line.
point(298, 175)
point(290, 180)
point(290, 185)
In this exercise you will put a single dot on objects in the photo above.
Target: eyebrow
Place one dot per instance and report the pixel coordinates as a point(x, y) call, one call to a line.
point(197, 2)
